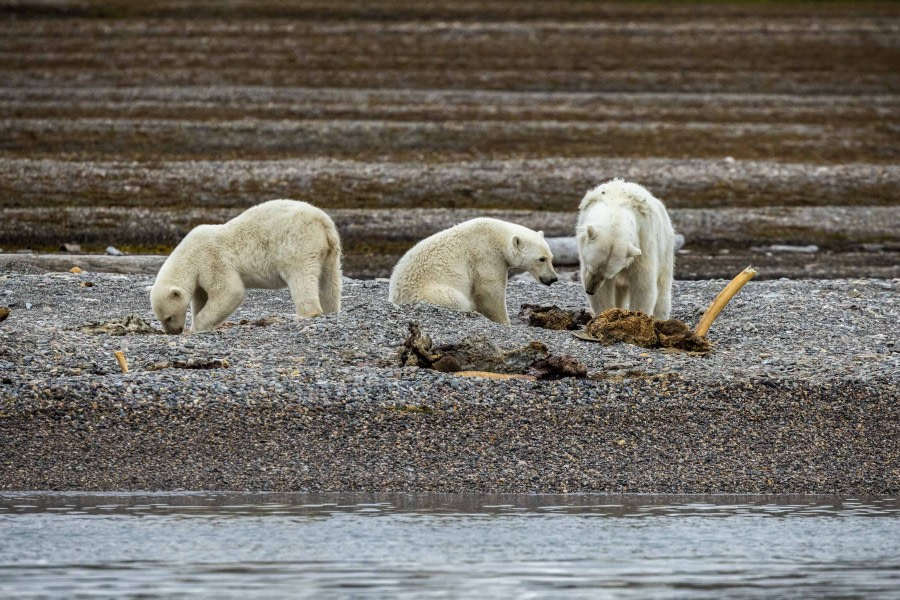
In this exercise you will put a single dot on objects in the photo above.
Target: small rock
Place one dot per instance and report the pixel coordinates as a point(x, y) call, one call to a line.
point(113, 251)
point(4, 313)
point(71, 248)
point(75, 270)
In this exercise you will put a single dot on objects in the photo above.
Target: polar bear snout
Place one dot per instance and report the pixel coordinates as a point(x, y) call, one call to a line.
point(590, 281)
point(549, 279)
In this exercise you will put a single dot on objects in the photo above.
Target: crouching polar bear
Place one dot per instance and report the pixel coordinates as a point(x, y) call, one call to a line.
point(626, 248)
point(276, 244)
point(466, 267)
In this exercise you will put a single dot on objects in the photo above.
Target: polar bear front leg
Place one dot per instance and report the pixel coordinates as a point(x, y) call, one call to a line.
point(664, 302)
point(198, 301)
point(603, 298)
point(623, 296)
point(490, 300)
point(219, 306)
point(643, 296)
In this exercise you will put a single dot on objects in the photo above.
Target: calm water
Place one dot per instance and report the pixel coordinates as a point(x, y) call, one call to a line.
point(446, 546)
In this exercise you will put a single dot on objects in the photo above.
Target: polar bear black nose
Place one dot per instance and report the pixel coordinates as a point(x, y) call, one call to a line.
point(549, 280)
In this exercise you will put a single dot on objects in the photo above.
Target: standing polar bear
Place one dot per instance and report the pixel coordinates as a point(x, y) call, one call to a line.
point(626, 247)
point(272, 245)
point(466, 267)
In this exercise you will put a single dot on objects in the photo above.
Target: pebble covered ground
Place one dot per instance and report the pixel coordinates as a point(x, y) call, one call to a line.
point(800, 395)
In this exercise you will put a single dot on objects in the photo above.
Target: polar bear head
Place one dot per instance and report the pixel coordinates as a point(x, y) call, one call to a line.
point(529, 251)
point(170, 304)
point(605, 254)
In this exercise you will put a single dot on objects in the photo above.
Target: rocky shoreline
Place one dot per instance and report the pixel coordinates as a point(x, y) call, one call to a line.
point(798, 396)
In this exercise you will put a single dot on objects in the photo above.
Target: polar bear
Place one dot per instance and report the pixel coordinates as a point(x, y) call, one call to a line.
point(466, 267)
point(626, 249)
point(272, 245)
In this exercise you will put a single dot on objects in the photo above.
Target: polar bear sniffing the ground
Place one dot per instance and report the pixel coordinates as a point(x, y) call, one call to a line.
point(626, 249)
point(466, 267)
point(276, 244)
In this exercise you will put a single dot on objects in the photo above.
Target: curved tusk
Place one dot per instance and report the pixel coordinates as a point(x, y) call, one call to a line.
point(722, 299)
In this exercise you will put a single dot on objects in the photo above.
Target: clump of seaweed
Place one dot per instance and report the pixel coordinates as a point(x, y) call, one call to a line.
point(635, 327)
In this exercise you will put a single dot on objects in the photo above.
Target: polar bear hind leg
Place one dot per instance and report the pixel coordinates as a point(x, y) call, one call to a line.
point(303, 281)
point(445, 295)
point(330, 279)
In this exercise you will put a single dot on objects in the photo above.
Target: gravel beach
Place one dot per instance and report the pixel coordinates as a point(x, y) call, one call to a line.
point(800, 395)
point(761, 125)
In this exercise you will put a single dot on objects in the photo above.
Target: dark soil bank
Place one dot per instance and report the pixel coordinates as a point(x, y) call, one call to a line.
point(757, 123)
point(798, 395)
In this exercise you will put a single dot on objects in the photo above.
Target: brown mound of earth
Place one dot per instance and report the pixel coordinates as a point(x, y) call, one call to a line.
point(553, 317)
point(634, 327)
point(4, 312)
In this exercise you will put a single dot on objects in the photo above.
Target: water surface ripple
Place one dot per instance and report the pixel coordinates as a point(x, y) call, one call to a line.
point(226, 545)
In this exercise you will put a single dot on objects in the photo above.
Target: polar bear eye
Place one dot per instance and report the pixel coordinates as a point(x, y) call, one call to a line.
point(542, 259)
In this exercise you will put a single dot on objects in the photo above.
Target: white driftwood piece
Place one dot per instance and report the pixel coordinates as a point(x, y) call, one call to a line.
point(144, 264)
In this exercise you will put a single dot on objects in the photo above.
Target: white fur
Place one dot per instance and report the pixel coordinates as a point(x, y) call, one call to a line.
point(626, 247)
point(276, 244)
point(466, 267)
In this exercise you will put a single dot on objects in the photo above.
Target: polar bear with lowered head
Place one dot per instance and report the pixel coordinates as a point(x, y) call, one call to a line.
point(466, 267)
point(626, 248)
point(276, 244)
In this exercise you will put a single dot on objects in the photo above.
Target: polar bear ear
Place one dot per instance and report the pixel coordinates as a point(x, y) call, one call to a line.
point(633, 251)
point(591, 232)
point(541, 233)
point(517, 243)
point(175, 293)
